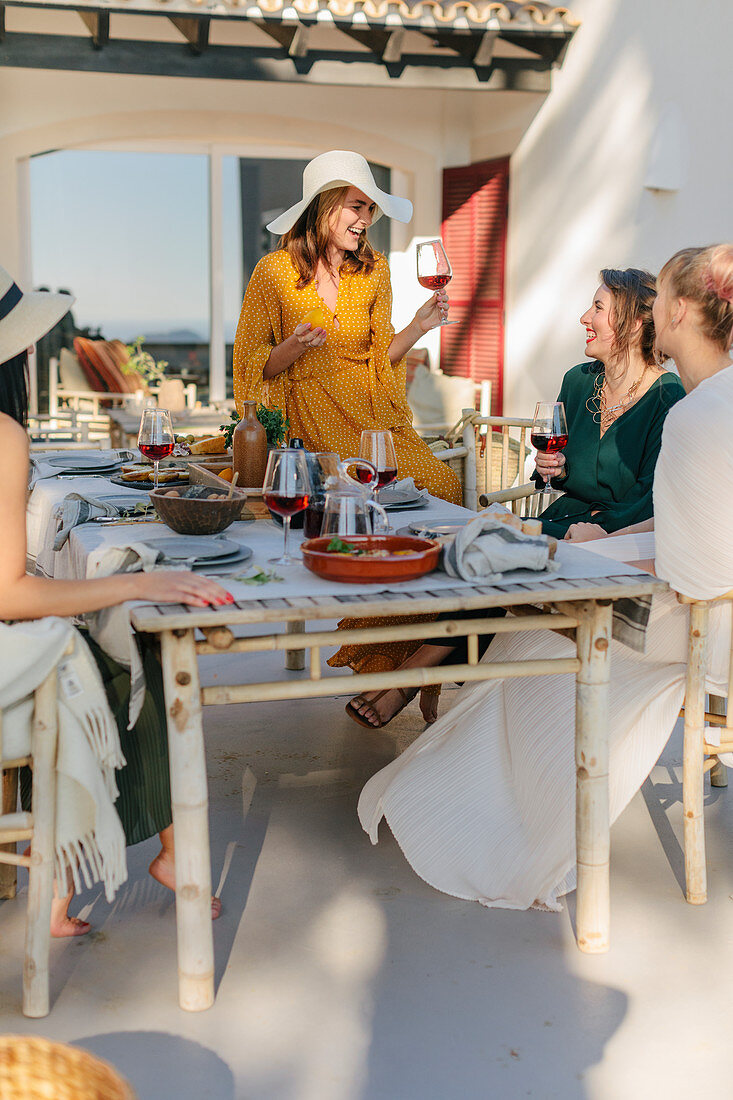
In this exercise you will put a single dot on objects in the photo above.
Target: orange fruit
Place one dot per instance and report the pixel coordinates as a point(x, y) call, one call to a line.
point(317, 317)
point(227, 474)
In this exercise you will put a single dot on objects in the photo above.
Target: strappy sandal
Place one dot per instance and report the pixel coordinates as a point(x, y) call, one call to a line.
point(408, 694)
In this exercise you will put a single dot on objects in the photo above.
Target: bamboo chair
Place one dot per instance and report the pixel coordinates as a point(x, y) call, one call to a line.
point(38, 829)
point(492, 451)
point(699, 756)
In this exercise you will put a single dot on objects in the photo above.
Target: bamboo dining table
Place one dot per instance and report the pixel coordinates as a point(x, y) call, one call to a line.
point(581, 607)
point(577, 600)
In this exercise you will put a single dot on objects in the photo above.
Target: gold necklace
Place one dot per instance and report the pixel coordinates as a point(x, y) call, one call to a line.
point(603, 413)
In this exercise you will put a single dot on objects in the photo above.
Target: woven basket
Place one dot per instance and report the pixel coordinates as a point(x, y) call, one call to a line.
point(496, 456)
point(37, 1069)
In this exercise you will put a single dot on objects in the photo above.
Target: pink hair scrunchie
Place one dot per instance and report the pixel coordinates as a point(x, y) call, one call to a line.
point(717, 288)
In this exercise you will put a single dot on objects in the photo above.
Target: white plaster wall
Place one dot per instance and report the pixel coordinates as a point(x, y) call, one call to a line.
point(577, 195)
point(416, 133)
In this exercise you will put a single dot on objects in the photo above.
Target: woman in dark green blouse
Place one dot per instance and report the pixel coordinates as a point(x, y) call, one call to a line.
point(615, 408)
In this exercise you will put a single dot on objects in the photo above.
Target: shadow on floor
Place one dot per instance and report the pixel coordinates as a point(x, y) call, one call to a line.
point(159, 1065)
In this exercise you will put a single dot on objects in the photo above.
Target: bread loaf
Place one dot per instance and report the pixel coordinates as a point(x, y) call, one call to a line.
point(212, 445)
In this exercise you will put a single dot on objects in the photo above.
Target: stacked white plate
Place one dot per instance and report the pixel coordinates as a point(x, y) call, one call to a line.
point(206, 553)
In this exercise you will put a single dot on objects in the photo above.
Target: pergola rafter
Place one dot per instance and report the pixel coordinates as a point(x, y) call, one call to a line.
point(461, 41)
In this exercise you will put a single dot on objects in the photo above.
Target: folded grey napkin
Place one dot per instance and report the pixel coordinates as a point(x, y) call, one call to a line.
point(406, 485)
point(78, 508)
point(486, 548)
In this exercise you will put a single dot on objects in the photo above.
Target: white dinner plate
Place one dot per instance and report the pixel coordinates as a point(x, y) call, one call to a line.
point(84, 462)
point(194, 547)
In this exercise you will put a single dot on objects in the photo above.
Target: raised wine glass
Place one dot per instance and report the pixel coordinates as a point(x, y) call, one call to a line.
point(155, 439)
point(549, 430)
point(433, 268)
point(286, 490)
point(377, 447)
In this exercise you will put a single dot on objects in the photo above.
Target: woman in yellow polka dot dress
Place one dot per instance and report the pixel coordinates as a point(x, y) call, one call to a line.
point(343, 370)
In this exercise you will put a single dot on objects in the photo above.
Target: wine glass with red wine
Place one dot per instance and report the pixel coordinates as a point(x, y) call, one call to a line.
point(549, 429)
point(377, 447)
point(433, 268)
point(156, 440)
point(286, 490)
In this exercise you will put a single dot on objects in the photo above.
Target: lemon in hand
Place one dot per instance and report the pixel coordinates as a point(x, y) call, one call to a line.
point(316, 317)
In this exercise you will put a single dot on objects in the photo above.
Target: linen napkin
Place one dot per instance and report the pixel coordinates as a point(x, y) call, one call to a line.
point(41, 467)
point(486, 548)
point(111, 627)
point(89, 843)
point(78, 508)
point(407, 485)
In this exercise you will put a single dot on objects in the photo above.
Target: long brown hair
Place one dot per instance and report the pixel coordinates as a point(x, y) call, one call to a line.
point(705, 276)
point(633, 292)
point(307, 242)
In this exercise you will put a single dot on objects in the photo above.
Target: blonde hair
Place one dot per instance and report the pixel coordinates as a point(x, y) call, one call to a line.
point(705, 276)
point(307, 242)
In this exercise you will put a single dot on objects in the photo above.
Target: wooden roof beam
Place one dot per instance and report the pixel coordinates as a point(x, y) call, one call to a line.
point(195, 29)
point(550, 47)
point(97, 23)
point(292, 37)
point(386, 44)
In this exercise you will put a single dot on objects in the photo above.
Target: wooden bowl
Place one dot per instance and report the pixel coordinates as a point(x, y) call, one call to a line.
point(408, 558)
point(197, 515)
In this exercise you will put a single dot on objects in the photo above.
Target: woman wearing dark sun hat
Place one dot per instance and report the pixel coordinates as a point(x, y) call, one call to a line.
point(144, 801)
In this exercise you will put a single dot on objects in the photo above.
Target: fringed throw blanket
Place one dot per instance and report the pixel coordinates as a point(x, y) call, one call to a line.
point(89, 840)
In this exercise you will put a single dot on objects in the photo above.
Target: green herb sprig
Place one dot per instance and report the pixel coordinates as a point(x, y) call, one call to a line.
point(338, 546)
point(272, 420)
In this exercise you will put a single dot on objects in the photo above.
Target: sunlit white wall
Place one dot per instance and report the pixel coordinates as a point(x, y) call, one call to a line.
point(644, 97)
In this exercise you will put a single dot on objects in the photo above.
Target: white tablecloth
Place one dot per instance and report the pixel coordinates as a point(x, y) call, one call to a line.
point(265, 539)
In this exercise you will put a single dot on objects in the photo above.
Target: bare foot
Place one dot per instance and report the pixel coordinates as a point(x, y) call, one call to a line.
point(62, 925)
point(380, 707)
point(163, 870)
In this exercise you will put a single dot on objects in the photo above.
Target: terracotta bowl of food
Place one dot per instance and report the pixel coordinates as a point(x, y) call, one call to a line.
point(370, 558)
point(198, 509)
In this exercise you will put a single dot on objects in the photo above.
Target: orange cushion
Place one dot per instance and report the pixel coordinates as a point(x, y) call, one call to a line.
point(118, 351)
point(93, 377)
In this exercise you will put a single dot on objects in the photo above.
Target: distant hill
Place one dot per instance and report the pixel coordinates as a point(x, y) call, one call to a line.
point(175, 336)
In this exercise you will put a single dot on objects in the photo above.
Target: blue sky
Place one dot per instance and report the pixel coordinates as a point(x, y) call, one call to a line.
point(128, 234)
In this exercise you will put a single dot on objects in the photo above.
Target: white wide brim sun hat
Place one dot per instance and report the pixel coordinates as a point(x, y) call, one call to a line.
point(340, 168)
point(26, 316)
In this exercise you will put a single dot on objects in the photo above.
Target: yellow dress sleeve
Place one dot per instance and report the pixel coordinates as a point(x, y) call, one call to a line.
point(393, 377)
point(258, 331)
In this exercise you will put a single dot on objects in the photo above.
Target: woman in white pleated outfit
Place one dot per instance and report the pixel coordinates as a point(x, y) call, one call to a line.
point(483, 803)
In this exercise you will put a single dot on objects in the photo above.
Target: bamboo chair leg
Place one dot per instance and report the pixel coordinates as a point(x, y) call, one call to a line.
point(9, 873)
point(591, 760)
point(189, 791)
point(718, 772)
point(693, 758)
point(40, 873)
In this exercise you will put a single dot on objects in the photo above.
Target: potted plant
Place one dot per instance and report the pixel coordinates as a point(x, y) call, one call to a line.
point(142, 363)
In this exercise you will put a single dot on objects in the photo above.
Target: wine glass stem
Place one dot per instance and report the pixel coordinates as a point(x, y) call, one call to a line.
point(155, 473)
point(286, 535)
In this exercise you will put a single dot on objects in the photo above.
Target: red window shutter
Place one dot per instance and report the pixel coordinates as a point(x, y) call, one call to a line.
point(475, 211)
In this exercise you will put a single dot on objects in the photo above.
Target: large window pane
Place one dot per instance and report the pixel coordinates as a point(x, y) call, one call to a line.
point(127, 233)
